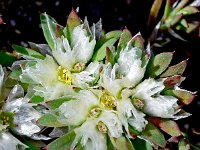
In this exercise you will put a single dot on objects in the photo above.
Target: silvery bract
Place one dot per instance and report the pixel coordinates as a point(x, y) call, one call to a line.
point(94, 93)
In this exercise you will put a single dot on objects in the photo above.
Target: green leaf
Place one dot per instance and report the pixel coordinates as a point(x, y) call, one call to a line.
point(188, 10)
point(62, 143)
point(154, 135)
point(49, 120)
point(113, 34)
point(123, 143)
point(32, 144)
point(177, 69)
point(49, 29)
point(124, 39)
point(100, 54)
point(27, 52)
point(110, 145)
point(36, 99)
point(10, 83)
point(158, 64)
point(109, 56)
point(6, 59)
point(183, 145)
point(184, 96)
point(56, 103)
point(141, 144)
point(72, 22)
point(15, 74)
point(168, 126)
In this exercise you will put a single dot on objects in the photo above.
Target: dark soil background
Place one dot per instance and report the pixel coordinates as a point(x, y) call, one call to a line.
point(23, 25)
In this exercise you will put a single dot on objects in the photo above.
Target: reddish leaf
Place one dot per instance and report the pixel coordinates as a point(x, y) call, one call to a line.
point(72, 22)
point(138, 41)
point(184, 96)
point(168, 126)
point(170, 82)
point(109, 56)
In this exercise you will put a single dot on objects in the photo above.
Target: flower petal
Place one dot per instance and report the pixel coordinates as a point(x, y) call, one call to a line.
point(155, 104)
point(130, 66)
point(44, 72)
point(90, 137)
point(86, 77)
point(109, 81)
point(63, 54)
point(129, 115)
point(74, 112)
point(8, 141)
point(54, 91)
point(112, 122)
point(82, 46)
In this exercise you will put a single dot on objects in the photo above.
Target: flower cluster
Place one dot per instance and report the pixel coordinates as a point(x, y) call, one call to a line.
point(91, 90)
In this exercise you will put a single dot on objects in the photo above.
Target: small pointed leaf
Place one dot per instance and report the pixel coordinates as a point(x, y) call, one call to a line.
point(27, 52)
point(113, 34)
point(36, 99)
point(141, 144)
point(49, 120)
point(184, 96)
point(124, 39)
point(177, 69)
point(100, 54)
point(57, 102)
point(6, 59)
point(168, 126)
point(158, 64)
point(154, 135)
point(72, 22)
point(49, 29)
point(62, 143)
point(123, 143)
point(138, 41)
point(170, 82)
point(109, 56)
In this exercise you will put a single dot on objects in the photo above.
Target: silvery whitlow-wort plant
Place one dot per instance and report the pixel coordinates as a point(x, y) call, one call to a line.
point(86, 89)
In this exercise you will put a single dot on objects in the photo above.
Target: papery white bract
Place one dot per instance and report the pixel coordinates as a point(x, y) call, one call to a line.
point(25, 115)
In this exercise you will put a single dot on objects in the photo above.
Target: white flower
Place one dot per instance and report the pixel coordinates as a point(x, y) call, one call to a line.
point(74, 112)
point(155, 104)
point(86, 108)
point(9, 142)
point(56, 75)
point(90, 137)
point(25, 115)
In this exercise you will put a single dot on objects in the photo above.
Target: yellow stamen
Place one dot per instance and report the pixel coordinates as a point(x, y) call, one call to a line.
point(138, 103)
point(102, 127)
point(108, 101)
point(64, 75)
point(79, 67)
point(95, 112)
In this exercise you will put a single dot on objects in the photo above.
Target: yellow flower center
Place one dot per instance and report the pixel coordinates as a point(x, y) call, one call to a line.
point(64, 75)
point(95, 112)
point(108, 101)
point(138, 103)
point(79, 67)
point(102, 127)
